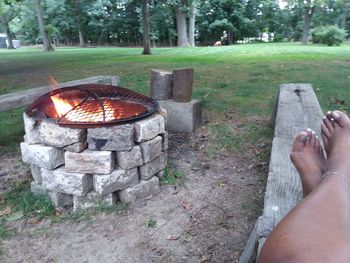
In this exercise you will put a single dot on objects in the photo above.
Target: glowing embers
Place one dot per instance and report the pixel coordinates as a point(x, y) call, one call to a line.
point(106, 111)
point(92, 105)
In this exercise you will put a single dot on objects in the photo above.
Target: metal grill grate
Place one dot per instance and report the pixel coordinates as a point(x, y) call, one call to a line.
point(94, 105)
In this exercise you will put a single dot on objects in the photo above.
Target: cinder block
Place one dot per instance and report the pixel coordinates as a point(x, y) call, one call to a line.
point(52, 134)
point(61, 200)
point(114, 138)
point(150, 169)
point(37, 188)
point(149, 128)
point(182, 116)
point(93, 199)
point(161, 84)
point(36, 173)
point(117, 180)
point(89, 161)
point(31, 126)
point(143, 189)
point(151, 149)
point(61, 181)
point(130, 159)
point(43, 156)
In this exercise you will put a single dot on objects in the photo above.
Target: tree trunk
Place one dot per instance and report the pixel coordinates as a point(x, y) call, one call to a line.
point(181, 27)
point(43, 32)
point(8, 33)
point(145, 22)
point(344, 15)
point(80, 31)
point(192, 26)
point(308, 12)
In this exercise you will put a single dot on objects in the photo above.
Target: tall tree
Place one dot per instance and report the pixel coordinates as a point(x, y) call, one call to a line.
point(43, 32)
point(181, 25)
point(145, 22)
point(79, 26)
point(8, 12)
point(192, 24)
point(309, 9)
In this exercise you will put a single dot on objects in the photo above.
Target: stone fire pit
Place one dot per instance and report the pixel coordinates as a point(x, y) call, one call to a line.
point(80, 168)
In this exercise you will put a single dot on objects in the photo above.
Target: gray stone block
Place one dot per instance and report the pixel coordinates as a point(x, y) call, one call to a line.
point(151, 149)
point(43, 156)
point(182, 116)
point(61, 181)
point(114, 138)
point(143, 189)
point(89, 161)
point(37, 188)
point(54, 135)
point(76, 147)
point(93, 199)
point(117, 180)
point(165, 141)
point(36, 173)
point(130, 159)
point(161, 84)
point(162, 112)
point(149, 128)
point(150, 169)
point(61, 200)
point(31, 126)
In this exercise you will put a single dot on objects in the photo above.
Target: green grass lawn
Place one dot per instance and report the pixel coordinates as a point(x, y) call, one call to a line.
point(239, 81)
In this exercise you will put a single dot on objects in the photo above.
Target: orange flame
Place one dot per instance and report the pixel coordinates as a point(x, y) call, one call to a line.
point(62, 106)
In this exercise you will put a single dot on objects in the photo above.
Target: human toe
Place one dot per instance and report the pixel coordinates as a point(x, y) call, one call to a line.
point(340, 118)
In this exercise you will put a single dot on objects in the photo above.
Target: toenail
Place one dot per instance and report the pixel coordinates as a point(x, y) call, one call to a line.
point(324, 117)
point(335, 114)
point(313, 132)
point(329, 112)
point(309, 130)
point(317, 137)
point(332, 119)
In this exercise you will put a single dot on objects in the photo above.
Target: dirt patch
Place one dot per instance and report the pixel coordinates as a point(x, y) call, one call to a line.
point(206, 218)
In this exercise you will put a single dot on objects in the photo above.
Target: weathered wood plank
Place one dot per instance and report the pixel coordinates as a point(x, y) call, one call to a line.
point(23, 98)
point(297, 109)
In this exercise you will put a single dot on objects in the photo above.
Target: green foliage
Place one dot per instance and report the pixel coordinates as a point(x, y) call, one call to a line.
point(172, 177)
point(150, 223)
point(22, 200)
point(329, 35)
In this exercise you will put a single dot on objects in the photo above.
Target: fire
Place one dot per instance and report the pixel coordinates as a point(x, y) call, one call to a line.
point(61, 106)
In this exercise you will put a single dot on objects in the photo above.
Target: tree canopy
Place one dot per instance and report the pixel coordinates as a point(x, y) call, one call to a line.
point(181, 22)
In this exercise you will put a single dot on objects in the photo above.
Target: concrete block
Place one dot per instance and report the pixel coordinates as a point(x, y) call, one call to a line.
point(93, 199)
point(89, 161)
point(37, 188)
point(62, 181)
point(150, 169)
point(182, 84)
point(182, 116)
point(52, 134)
point(31, 126)
point(117, 180)
point(114, 138)
point(161, 84)
point(151, 149)
point(43, 156)
point(142, 190)
point(76, 147)
point(165, 142)
point(36, 173)
point(130, 159)
point(149, 128)
point(61, 200)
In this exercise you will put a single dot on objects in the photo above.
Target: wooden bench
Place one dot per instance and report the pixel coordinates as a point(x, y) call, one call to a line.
point(296, 108)
point(25, 97)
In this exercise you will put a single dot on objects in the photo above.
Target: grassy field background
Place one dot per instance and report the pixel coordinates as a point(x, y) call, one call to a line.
point(237, 82)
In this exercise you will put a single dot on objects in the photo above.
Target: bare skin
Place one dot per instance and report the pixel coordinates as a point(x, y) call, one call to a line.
point(317, 229)
point(307, 157)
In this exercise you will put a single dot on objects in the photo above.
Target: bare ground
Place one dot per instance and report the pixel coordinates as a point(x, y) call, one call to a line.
point(208, 218)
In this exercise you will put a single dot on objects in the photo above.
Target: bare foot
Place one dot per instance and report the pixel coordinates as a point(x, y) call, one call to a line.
point(307, 157)
point(338, 142)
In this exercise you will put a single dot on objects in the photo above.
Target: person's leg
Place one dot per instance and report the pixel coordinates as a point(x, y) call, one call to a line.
point(307, 157)
point(317, 229)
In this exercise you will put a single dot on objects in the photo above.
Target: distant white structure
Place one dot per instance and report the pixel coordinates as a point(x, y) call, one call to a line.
point(4, 42)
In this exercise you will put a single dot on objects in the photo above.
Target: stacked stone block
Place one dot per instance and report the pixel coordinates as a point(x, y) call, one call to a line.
point(80, 168)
